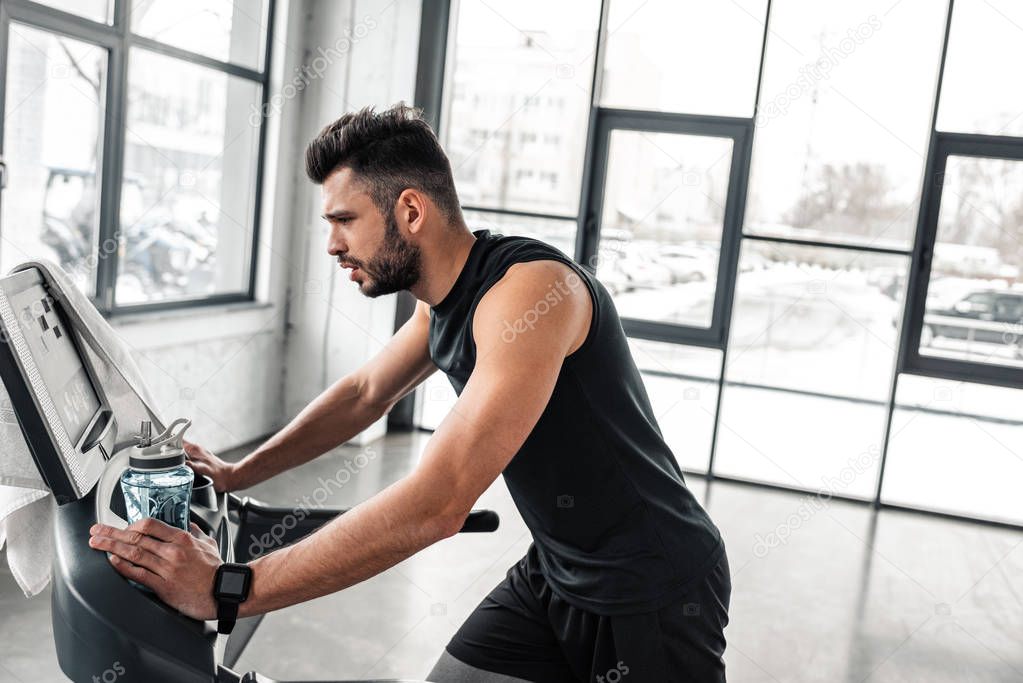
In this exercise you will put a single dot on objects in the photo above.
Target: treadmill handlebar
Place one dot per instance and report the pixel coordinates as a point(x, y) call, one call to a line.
point(480, 521)
point(263, 528)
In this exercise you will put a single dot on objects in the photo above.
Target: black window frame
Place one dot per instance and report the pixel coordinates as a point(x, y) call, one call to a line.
point(740, 132)
point(911, 360)
point(117, 39)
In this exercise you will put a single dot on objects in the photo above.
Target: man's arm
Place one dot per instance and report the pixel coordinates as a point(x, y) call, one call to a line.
point(502, 401)
point(343, 410)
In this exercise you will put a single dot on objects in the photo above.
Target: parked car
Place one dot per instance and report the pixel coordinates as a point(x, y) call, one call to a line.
point(627, 268)
point(688, 264)
point(992, 316)
point(160, 253)
point(642, 269)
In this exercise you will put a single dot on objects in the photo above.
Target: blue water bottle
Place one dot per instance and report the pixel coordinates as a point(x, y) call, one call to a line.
point(157, 482)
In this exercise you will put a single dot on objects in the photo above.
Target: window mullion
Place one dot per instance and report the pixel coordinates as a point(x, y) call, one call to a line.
point(108, 243)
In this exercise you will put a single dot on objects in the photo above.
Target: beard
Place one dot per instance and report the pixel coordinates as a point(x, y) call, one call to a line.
point(396, 266)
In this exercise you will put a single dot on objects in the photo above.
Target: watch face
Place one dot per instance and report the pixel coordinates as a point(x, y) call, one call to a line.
point(232, 582)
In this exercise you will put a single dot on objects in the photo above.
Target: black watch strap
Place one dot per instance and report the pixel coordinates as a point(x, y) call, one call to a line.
point(230, 588)
point(227, 616)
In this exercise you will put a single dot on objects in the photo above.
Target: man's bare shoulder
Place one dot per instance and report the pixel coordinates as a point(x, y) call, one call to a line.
point(544, 296)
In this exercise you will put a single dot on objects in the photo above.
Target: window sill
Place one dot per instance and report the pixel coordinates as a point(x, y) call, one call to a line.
point(182, 326)
point(144, 317)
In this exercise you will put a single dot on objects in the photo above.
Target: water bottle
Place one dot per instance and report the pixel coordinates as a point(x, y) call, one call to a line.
point(157, 482)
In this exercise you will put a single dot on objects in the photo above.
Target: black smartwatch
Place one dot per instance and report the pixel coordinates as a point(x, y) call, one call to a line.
point(230, 588)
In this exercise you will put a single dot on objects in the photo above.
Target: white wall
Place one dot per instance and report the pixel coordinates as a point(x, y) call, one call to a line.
point(240, 372)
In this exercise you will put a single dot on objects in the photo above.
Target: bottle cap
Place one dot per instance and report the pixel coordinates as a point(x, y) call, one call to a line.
point(162, 452)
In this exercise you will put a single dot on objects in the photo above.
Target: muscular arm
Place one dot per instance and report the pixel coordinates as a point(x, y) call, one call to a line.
point(465, 455)
point(347, 407)
point(509, 388)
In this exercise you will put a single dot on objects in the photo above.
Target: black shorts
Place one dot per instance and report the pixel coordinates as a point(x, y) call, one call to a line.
point(523, 629)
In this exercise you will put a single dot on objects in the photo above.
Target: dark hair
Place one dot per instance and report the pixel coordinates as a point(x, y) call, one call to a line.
point(390, 151)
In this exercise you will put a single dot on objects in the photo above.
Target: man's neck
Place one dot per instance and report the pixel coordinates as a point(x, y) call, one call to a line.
point(442, 265)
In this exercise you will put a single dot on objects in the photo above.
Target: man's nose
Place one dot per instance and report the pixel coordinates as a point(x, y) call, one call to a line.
point(335, 244)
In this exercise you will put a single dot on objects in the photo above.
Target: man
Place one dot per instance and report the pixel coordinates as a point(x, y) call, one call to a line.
point(627, 576)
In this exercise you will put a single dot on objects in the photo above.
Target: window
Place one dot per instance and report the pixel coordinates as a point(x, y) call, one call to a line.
point(967, 315)
point(520, 70)
point(556, 232)
point(682, 383)
point(810, 361)
point(978, 254)
point(844, 119)
point(185, 222)
point(717, 42)
point(984, 51)
point(663, 220)
point(661, 224)
point(53, 138)
point(226, 30)
point(955, 447)
point(95, 10)
point(134, 155)
point(819, 290)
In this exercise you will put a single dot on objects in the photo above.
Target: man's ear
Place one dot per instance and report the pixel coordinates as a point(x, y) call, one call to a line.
point(412, 208)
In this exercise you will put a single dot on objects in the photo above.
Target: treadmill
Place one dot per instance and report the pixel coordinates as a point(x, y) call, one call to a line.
point(105, 627)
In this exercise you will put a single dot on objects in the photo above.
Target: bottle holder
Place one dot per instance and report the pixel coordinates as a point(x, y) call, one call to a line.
point(203, 493)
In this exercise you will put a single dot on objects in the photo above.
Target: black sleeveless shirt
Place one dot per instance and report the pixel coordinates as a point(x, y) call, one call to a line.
point(615, 527)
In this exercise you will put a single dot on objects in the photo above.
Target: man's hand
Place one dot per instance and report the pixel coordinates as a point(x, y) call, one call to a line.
point(178, 566)
point(224, 474)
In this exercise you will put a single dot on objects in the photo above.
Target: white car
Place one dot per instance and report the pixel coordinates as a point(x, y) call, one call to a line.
point(688, 264)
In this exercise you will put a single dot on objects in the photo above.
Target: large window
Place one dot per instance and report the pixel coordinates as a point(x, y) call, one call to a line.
point(843, 120)
point(661, 224)
point(810, 359)
point(809, 216)
point(53, 137)
point(984, 49)
point(966, 312)
point(717, 42)
point(131, 133)
point(956, 447)
point(518, 97)
point(972, 310)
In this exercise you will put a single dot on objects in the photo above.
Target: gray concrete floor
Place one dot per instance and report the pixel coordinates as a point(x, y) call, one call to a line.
point(848, 595)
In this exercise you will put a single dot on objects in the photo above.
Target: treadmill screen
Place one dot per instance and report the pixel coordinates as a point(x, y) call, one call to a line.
point(57, 359)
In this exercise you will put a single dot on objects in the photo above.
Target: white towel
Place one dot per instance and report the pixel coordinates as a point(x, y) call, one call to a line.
point(26, 531)
point(26, 505)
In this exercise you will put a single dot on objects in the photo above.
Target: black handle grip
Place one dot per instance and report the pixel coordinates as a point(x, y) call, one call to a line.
point(481, 521)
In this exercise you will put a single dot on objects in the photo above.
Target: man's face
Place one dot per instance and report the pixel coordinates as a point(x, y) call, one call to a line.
point(363, 240)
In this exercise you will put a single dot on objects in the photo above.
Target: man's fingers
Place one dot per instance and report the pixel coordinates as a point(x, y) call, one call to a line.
point(203, 536)
point(135, 554)
point(199, 467)
point(197, 532)
point(157, 529)
point(134, 535)
point(136, 573)
point(195, 454)
point(134, 538)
